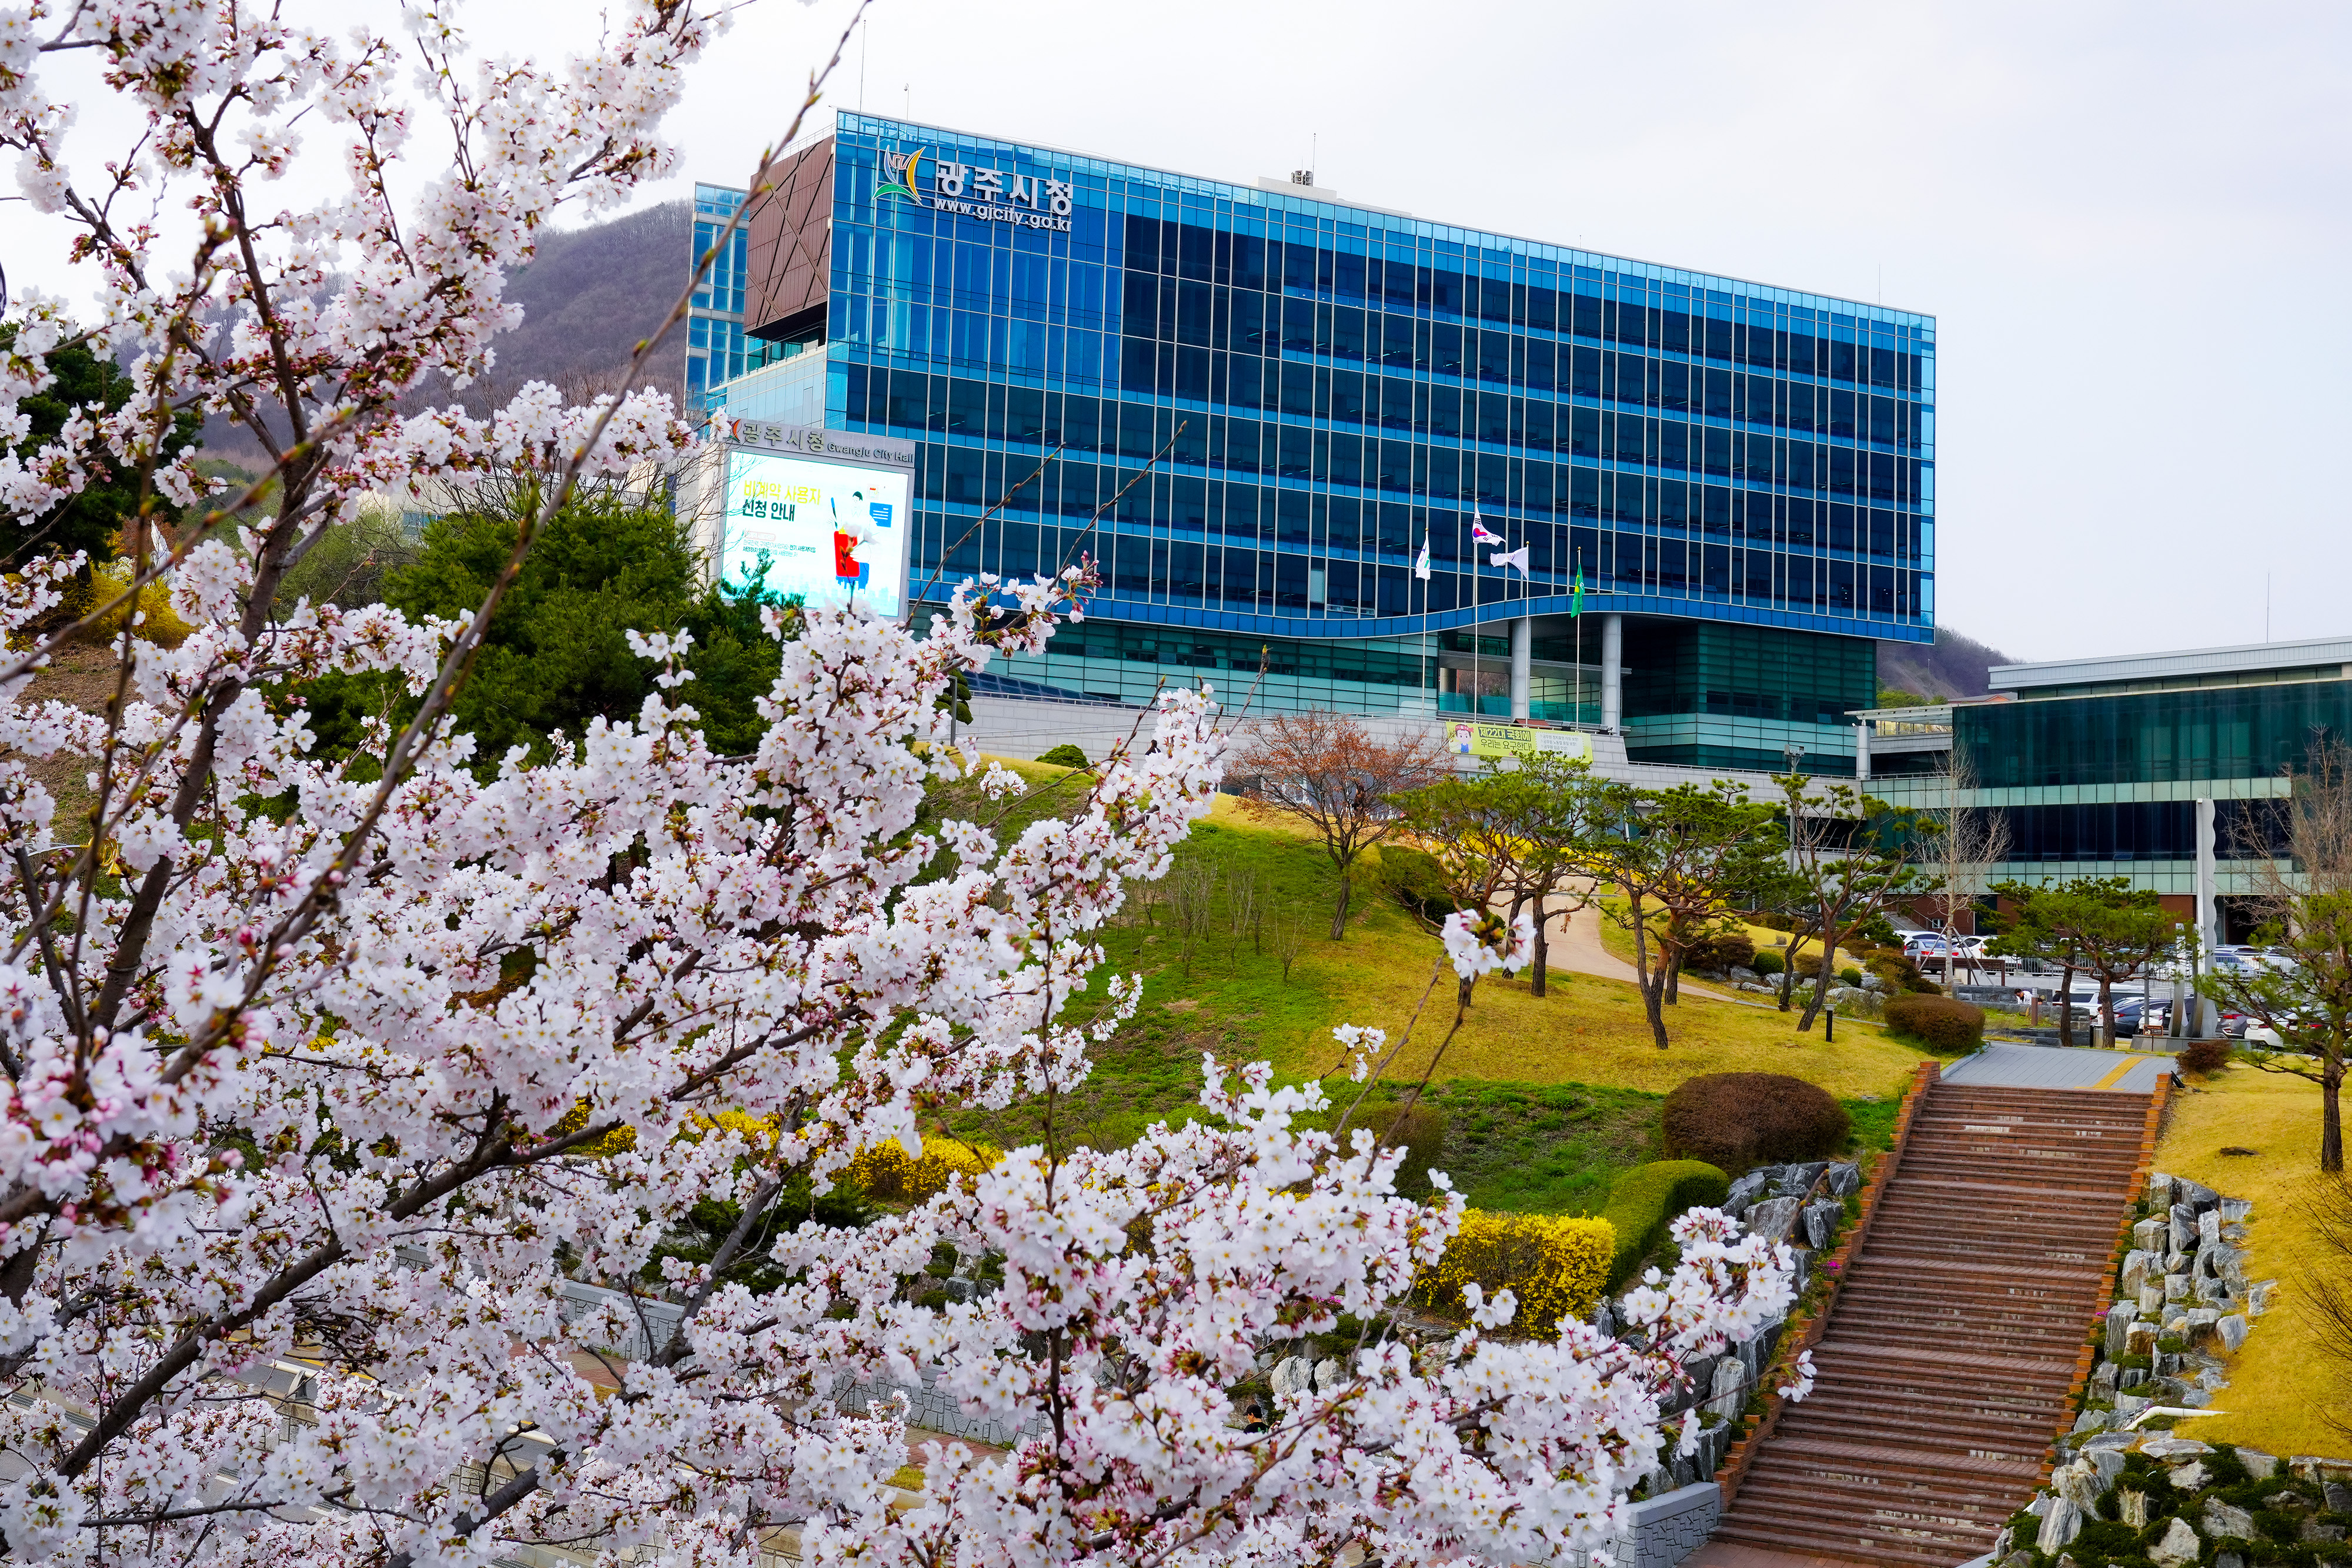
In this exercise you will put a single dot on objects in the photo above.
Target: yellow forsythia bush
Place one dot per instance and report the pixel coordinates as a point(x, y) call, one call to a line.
point(887, 1173)
point(1557, 1266)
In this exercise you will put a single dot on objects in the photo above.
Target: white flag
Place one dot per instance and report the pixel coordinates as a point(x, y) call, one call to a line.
point(1517, 557)
point(1421, 566)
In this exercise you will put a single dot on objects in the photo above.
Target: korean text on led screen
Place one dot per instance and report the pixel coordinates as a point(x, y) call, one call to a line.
point(830, 532)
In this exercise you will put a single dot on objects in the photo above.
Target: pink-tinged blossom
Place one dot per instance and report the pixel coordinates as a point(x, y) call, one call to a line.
point(342, 1068)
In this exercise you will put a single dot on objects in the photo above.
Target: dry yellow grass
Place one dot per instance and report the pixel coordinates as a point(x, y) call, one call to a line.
point(2280, 1381)
point(1588, 1031)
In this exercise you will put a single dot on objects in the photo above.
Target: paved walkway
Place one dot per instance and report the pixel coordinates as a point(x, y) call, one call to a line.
point(2058, 1066)
point(1572, 942)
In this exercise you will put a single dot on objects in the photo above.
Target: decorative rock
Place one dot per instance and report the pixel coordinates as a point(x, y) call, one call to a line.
point(2175, 1287)
point(2170, 1447)
point(2093, 1421)
point(2233, 1330)
point(2128, 1404)
point(2224, 1523)
point(2313, 1530)
point(2080, 1482)
point(2338, 1497)
point(1328, 1376)
point(1846, 1180)
point(1290, 1376)
point(2258, 1297)
point(2120, 1318)
point(2234, 1209)
point(1604, 1319)
point(2131, 1507)
point(1799, 1179)
point(2228, 1560)
point(2150, 1235)
point(1728, 1395)
point(2202, 1331)
point(1772, 1218)
point(2139, 1338)
point(2209, 1227)
point(1744, 1192)
point(2195, 1196)
point(2191, 1477)
point(2059, 1526)
point(2177, 1548)
point(2184, 1227)
point(2151, 1298)
point(1821, 1221)
point(2159, 1191)
point(2103, 1382)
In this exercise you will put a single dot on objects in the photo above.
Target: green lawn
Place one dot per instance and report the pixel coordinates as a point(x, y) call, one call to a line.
point(1546, 1098)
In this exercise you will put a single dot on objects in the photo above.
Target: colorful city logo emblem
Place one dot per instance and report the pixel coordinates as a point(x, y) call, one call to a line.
point(903, 165)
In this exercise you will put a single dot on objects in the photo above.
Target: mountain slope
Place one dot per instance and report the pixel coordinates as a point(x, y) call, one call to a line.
point(1955, 667)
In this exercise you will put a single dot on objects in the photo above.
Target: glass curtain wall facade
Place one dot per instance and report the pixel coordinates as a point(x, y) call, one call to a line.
point(1254, 409)
point(2102, 777)
point(717, 349)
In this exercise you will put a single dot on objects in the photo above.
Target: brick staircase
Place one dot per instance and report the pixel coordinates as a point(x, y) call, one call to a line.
point(1948, 1359)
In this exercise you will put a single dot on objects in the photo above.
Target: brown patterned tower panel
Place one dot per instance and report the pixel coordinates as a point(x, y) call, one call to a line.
point(790, 265)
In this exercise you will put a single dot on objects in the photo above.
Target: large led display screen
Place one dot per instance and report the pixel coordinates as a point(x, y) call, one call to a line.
point(831, 532)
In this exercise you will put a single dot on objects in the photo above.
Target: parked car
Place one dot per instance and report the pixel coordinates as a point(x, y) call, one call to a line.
point(2132, 1015)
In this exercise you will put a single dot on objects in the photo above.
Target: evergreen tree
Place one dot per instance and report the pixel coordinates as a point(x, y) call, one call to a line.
point(86, 382)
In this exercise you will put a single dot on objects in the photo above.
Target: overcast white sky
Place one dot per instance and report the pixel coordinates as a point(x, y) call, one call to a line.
point(2129, 220)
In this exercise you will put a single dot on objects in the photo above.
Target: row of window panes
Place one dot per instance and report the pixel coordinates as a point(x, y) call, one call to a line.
point(1247, 510)
point(2243, 732)
point(1108, 197)
point(1149, 570)
point(916, 403)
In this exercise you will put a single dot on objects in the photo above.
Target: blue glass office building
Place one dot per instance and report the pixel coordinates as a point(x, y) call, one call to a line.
point(1741, 477)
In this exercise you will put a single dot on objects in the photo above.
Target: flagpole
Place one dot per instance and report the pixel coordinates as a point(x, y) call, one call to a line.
point(1576, 614)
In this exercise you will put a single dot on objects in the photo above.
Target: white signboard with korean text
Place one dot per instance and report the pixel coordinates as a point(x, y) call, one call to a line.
point(992, 195)
point(833, 533)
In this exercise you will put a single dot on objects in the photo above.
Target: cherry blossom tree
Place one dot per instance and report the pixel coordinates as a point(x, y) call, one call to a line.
point(346, 1068)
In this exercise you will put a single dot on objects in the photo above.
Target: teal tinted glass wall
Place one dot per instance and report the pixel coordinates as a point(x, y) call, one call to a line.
point(1706, 695)
point(1323, 390)
point(2240, 732)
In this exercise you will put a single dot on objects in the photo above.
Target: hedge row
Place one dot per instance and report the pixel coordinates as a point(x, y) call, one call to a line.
point(1648, 1198)
point(1555, 1265)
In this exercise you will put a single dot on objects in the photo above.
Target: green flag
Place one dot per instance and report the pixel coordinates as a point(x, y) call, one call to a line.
point(1576, 597)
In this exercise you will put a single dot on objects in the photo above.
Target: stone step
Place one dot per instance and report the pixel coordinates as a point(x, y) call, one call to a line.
point(1946, 1366)
point(1870, 1503)
point(2013, 1441)
point(1830, 1539)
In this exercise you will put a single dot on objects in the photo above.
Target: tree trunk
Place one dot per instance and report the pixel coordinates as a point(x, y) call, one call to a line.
point(1651, 984)
point(1650, 1004)
point(2065, 1005)
point(2331, 1116)
point(1535, 980)
point(1820, 989)
point(2106, 1032)
point(1788, 978)
point(1340, 914)
point(1674, 969)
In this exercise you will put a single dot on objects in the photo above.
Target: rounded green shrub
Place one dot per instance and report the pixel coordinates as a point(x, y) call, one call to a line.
point(1850, 975)
point(2205, 1055)
point(1939, 1023)
point(1065, 756)
point(1726, 950)
point(1644, 1201)
point(1735, 1121)
point(1769, 962)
